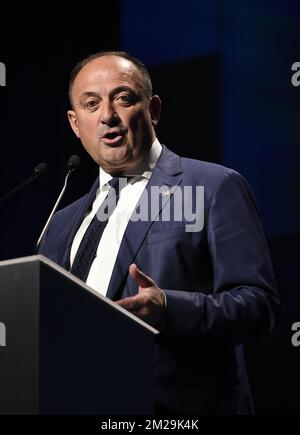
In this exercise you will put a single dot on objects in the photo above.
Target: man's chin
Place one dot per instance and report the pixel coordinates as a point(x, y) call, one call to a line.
point(116, 163)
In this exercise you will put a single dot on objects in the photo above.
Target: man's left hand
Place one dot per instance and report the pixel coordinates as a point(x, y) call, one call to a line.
point(149, 303)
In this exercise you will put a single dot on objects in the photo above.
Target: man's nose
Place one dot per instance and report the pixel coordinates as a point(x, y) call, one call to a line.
point(108, 114)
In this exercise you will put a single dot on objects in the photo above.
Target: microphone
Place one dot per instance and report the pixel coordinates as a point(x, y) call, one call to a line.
point(38, 170)
point(72, 164)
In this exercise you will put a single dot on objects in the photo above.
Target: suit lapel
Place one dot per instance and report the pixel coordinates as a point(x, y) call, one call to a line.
point(168, 172)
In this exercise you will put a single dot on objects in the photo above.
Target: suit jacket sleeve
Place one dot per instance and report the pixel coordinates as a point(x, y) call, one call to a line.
point(243, 304)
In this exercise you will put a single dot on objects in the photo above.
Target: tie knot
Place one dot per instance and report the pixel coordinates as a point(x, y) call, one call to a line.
point(118, 183)
point(114, 182)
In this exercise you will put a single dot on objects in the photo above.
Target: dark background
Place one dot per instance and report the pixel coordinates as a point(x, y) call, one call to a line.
point(223, 70)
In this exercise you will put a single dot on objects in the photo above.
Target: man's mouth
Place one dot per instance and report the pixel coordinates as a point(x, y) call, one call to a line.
point(113, 138)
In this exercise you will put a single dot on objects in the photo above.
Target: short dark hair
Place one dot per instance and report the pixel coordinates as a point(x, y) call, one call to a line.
point(139, 65)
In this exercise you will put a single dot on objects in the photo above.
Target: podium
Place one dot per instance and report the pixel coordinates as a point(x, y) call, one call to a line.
point(67, 349)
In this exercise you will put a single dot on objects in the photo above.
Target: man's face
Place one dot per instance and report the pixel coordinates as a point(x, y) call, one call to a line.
point(112, 114)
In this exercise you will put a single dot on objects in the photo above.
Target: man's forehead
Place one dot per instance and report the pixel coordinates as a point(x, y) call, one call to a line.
point(108, 68)
point(110, 61)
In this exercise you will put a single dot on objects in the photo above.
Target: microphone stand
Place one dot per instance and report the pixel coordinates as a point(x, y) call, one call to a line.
point(73, 163)
point(40, 168)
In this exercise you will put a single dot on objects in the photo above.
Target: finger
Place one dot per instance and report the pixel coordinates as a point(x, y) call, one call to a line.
point(140, 277)
point(131, 303)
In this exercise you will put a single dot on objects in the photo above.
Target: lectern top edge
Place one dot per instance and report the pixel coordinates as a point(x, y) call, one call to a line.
point(73, 278)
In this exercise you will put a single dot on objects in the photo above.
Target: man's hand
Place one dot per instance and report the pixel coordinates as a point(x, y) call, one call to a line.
point(149, 303)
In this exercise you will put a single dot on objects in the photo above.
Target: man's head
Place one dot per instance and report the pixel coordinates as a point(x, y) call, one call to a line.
point(113, 110)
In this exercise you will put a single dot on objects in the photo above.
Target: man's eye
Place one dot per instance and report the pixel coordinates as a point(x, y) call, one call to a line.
point(90, 104)
point(125, 98)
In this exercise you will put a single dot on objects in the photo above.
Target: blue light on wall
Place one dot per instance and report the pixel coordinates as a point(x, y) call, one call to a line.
point(166, 31)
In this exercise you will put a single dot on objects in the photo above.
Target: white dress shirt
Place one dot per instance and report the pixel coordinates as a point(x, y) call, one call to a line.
point(108, 248)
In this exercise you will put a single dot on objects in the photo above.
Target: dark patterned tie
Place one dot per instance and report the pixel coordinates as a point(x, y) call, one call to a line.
point(89, 244)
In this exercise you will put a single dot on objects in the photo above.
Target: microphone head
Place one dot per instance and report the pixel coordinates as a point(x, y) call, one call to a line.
point(73, 162)
point(40, 168)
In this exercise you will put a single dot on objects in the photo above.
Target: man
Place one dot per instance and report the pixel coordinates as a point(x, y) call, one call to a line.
point(208, 290)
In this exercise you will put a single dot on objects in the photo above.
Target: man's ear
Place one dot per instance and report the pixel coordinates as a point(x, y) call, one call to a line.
point(155, 109)
point(73, 121)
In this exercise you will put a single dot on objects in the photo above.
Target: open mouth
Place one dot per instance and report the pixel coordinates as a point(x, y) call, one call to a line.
point(113, 138)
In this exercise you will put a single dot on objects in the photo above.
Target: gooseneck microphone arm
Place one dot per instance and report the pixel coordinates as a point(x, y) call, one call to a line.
point(72, 164)
point(38, 170)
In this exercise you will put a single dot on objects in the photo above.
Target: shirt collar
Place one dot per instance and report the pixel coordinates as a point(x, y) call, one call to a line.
point(154, 154)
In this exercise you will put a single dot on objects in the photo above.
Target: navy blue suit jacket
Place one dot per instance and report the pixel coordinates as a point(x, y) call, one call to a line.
point(219, 284)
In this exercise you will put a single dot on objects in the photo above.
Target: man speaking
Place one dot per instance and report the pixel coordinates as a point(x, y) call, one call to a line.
point(208, 290)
